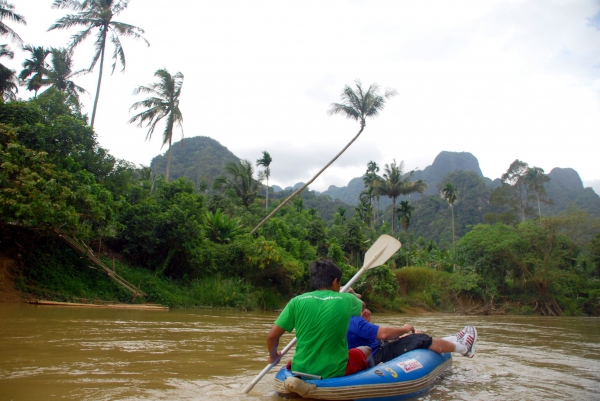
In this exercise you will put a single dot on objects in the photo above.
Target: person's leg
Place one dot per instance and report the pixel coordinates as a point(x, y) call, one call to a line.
point(456, 337)
point(440, 346)
point(357, 360)
point(393, 349)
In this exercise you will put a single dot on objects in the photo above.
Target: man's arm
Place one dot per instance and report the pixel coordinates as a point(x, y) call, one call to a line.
point(389, 333)
point(273, 342)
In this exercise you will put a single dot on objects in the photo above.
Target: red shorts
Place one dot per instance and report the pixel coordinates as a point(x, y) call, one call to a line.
point(356, 361)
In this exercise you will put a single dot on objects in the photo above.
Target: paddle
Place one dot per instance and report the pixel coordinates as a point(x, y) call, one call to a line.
point(378, 254)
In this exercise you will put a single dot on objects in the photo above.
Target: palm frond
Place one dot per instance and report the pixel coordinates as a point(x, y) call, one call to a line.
point(7, 13)
point(118, 53)
point(71, 4)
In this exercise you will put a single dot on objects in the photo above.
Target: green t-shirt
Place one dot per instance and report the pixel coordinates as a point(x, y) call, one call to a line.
point(321, 321)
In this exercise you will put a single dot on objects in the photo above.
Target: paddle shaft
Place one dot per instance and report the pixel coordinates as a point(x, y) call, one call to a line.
point(284, 351)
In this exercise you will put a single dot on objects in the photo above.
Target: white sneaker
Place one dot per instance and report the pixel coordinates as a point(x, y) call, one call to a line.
point(454, 338)
point(469, 339)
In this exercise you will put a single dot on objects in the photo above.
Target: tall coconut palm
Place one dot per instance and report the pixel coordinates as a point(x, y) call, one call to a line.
point(535, 180)
point(357, 104)
point(449, 193)
point(405, 215)
point(6, 12)
point(35, 68)
point(240, 178)
point(98, 15)
point(60, 74)
point(370, 178)
point(395, 183)
point(9, 84)
point(265, 161)
point(164, 103)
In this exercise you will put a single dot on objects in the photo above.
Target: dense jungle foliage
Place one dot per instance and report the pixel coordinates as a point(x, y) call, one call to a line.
point(187, 244)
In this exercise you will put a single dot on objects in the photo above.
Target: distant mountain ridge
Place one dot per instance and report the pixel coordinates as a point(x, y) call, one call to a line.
point(201, 159)
point(433, 175)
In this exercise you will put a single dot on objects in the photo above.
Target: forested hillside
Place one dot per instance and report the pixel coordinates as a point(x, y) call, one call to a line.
point(199, 158)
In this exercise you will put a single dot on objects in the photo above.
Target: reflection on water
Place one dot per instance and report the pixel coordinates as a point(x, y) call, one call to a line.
point(90, 354)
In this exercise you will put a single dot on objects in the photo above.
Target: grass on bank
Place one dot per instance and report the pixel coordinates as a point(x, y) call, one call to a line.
point(61, 274)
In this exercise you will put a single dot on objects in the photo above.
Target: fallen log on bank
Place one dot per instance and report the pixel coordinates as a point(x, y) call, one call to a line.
point(106, 306)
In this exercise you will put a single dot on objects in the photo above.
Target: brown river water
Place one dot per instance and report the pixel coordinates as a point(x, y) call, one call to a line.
point(63, 353)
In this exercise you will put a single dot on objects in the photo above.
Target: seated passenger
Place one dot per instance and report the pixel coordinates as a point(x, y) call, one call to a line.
point(361, 332)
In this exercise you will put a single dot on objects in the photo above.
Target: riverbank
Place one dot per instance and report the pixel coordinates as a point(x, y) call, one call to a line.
point(73, 279)
point(8, 292)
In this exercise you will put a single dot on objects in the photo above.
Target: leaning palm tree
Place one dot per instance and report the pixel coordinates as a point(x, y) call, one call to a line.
point(395, 183)
point(265, 161)
point(6, 12)
point(35, 68)
point(239, 177)
point(450, 195)
point(164, 103)
point(98, 15)
point(60, 75)
point(357, 104)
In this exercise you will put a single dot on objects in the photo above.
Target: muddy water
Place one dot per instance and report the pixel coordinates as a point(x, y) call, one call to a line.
point(52, 353)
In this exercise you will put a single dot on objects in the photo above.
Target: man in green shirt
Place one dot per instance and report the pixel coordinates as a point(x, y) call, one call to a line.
point(321, 319)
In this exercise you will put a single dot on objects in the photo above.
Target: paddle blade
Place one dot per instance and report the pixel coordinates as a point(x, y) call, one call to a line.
point(381, 251)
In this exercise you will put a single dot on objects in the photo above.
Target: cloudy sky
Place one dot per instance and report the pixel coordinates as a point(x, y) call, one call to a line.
point(504, 80)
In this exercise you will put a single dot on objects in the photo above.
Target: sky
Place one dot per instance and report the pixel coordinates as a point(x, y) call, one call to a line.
point(503, 80)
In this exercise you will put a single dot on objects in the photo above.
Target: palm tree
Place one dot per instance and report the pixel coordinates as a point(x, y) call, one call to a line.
point(404, 215)
point(370, 178)
point(364, 209)
point(265, 161)
point(535, 179)
point(163, 104)
point(357, 105)
point(35, 68)
point(60, 74)
point(239, 177)
point(98, 15)
point(6, 12)
point(449, 193)
point(394, 184)
point(9, 84)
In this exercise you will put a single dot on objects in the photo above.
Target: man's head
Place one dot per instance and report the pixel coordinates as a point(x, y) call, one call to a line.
point(323, 274)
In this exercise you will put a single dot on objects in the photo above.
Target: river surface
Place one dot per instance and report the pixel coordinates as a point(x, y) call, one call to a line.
point(63, 353)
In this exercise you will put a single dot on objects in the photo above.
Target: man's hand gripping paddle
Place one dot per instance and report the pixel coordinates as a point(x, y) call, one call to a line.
point(378, 254)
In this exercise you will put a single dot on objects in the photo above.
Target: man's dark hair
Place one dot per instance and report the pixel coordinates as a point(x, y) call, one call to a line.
point(322, 274)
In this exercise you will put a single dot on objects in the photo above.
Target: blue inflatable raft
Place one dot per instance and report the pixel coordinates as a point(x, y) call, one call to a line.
point(406, 376)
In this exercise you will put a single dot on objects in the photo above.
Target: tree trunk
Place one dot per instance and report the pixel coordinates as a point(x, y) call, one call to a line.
point(293, 195)
point(168, 161)
point(453, 238)
point(99, 79)
point(452, 209)
point(267, 202)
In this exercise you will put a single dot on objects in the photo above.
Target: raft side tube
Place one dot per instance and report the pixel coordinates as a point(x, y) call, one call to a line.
point(408, 375)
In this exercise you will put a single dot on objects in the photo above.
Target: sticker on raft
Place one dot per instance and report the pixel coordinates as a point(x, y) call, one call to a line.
point(410, 365)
